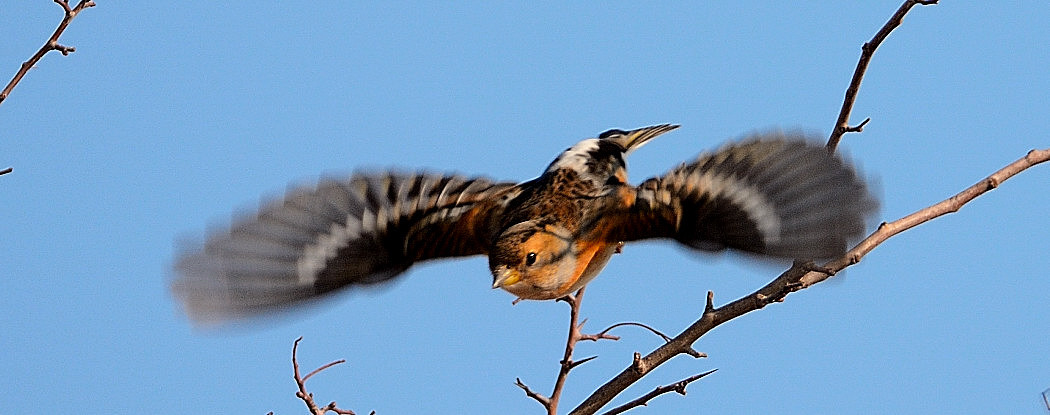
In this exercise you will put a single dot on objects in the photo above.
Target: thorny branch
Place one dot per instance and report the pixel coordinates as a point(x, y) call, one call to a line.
point(566, 364)
point(842, 123)
point(50, 45)
point(678, 387)
point(307, 397)
point(799, 276)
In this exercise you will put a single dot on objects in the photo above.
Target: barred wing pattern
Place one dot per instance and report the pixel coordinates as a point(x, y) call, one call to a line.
point(362, 230)
point(773, 194)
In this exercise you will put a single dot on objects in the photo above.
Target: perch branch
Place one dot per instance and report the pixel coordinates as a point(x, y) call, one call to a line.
point(50, 45)
point(799, 276)
point(842, 124)
point(566, 364)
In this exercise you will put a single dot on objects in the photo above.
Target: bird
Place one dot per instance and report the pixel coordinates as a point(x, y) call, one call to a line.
point(770, 195)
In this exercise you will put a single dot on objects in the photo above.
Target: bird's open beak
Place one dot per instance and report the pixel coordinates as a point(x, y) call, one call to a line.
point(506, 277)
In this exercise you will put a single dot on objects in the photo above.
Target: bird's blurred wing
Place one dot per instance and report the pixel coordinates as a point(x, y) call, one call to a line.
point(362, 230)
point(774, 194)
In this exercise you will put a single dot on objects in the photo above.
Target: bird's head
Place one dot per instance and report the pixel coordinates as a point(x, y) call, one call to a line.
point(533, 261)
point(601, 160)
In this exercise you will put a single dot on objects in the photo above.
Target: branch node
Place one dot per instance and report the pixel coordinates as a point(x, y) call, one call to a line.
point(639, 365)
point(859, 127)
point(51, 44)
point(65, 6)
point(710, 306)
point(65, 50)
point(677, 387)
point(867, 51)
point(307, 397)
point(809, 266)
point(689, 350)
point(991, 182)
point(573, 364)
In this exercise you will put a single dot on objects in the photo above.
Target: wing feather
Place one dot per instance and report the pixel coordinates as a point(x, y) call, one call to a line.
point(361, 230)
point(774, 194)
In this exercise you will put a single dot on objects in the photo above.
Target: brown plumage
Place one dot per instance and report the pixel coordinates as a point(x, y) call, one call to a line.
point(773, 195)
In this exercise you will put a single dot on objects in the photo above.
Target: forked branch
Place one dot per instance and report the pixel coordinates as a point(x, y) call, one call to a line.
point(567, 363)
point(842, 123)
point(50, 45)
point(307, 397)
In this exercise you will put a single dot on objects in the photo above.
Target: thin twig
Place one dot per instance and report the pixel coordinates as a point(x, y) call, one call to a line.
point(5, 171)
point(950, 205)
point(678, 387)
point(543, 400)
point(799, 276)
point(307, 397)
point(626, 323)
point(318, 370)
point(604, 335)
point(842, 123)
point(50, 45)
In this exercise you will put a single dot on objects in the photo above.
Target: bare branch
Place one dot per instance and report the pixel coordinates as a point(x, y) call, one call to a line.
point(5, 171)
point(566, 364)
point(543, 400)
point(603, 333)
point(950, 205)
point(678, 387)
point(570, 344)
point(307, 397)
point(842, 124)
point(318, 370)
point(50, 45)
point(799, 276)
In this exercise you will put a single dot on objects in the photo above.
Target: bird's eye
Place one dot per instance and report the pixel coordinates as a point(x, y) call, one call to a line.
point(530, 259)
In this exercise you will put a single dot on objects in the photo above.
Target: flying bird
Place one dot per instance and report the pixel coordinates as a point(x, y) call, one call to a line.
point(774, 195)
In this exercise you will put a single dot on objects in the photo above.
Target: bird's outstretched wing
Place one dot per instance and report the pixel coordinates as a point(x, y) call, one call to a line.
point(364, 229)
point(773, 194)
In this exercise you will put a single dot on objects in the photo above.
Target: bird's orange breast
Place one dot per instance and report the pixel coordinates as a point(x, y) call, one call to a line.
point(591, 258)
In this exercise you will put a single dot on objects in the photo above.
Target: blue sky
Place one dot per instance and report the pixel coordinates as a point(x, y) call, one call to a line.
point(172, 116)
